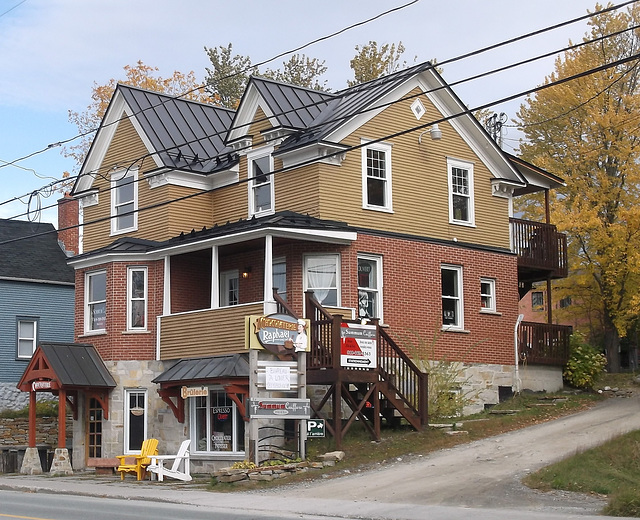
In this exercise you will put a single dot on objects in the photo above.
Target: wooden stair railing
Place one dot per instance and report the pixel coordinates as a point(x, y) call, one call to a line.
point(400, 380)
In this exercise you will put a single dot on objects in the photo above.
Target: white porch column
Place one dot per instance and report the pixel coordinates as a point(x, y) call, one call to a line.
point(269, 302)
point(215, 278)
point(166, 296)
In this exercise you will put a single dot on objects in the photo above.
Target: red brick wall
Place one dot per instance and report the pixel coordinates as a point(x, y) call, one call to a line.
point(116, 343)
point(68, 218)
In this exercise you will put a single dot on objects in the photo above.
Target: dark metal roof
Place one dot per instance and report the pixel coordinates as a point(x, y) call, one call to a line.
point(294, 107)
point(349, 103)
point(35, 256)
point(281, 219)
point(206, 369)
point(77, 365)
point(187, 135)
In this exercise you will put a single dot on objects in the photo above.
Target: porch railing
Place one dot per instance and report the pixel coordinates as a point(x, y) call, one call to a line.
point(402, 381)
point(544, 343)
point(540, 246)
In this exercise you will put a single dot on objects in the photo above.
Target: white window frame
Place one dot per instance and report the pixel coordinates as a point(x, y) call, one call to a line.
point(470, 197)
point(127, 411)
point(225, 278)
point(377, 259)
point(88, 303)
point(387, 192)
point(126, 177)
point(22, 338)
point(131, 299)
point(282, 291)
point(252, 157)
point(235, 417)
point(457, 298)
point(488, 297)
point(329, 257)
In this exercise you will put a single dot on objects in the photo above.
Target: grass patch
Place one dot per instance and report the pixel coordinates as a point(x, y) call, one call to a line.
point(612, 469)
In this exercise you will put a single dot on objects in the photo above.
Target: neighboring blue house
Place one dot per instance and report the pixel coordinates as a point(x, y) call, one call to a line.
point(36, 300)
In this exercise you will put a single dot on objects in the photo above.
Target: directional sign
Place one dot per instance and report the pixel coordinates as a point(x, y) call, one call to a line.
point(358, 345)
point(315, 428)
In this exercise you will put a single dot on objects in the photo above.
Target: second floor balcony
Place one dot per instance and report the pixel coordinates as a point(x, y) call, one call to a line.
point(541, 250)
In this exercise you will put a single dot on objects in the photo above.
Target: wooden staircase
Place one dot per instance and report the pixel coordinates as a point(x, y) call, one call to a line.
point(396, 388)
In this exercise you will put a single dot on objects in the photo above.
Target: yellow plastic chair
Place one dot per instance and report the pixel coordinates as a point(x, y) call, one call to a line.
point(138, 463)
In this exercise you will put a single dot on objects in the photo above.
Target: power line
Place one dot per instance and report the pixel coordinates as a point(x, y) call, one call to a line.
point(376, 107)
point(355, 147)
point(352, 26)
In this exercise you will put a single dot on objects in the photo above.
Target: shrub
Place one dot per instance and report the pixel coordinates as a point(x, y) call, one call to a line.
point(585, 364)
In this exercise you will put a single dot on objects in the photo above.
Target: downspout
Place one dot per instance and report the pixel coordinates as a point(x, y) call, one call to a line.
point(517, 381)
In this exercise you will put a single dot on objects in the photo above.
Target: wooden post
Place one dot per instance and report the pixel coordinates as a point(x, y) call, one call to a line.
point(62, 419)
point(32, 419)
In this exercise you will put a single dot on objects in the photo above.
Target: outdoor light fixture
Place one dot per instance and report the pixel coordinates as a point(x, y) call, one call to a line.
point(246, 273)
point(434, 132)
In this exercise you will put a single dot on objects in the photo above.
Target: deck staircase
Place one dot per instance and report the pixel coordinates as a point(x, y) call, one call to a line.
point(396, 388)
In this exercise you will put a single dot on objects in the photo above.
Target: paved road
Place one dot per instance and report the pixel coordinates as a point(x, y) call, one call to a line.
point(478, 479)
point(487, 473)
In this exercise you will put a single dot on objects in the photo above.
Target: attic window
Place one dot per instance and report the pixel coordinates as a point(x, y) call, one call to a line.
point(418, 109)
point(124, 201)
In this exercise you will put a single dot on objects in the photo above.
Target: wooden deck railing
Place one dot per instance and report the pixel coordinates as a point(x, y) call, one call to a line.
point(403, 383)
point(540, 246)
point(543, 343)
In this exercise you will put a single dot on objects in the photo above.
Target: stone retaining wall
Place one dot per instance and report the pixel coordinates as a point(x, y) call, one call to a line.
point(15, 432)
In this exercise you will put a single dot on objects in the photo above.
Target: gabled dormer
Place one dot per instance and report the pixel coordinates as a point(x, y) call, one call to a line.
point(152, 149)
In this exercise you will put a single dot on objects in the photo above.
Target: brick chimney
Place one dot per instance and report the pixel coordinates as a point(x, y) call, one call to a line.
point(68, 219)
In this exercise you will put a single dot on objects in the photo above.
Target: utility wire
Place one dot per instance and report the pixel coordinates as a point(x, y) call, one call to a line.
point(355, 147)
point(376, 107)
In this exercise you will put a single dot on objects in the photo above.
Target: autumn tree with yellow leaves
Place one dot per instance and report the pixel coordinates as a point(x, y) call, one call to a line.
point(587, 132)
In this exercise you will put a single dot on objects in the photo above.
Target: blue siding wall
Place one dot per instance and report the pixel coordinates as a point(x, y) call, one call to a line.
point(52, 305)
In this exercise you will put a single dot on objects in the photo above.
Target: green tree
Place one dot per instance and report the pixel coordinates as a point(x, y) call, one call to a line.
point(228, 75)
point(138, 75)
point(302, 71)
point(586, 131)
point(371, 61)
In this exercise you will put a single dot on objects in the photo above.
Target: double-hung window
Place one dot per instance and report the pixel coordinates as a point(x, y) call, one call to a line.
point(322, 276)
point(280, 277)
point(27, 337)
point(137, 298)
point(461, 200)
point(376, 176)
point(452, 305)
point(488, 294)
point(95, 309)
point(369, 286)
point(261, 190)
point(124, 201)
point(217, 424)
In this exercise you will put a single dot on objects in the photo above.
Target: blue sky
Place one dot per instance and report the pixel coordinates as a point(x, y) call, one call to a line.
point(53, 51)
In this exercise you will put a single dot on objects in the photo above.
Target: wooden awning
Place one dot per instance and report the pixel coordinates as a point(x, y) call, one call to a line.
point(230, 371)
point(71, 367)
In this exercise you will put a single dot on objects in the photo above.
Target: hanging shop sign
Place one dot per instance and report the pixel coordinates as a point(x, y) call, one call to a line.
point(358, 345)
point(279, 408)
point(278, 333)
point(41, 385)
point(194, 391)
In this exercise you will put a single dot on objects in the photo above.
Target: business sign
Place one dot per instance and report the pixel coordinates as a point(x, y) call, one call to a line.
point(41, 385)
point(194, 391)
point(315, 428)
point(358, 344)
point(277, 378)
point(279, 408)
point(278, 333)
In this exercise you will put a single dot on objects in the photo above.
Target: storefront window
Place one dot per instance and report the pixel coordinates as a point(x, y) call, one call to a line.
point(217, 424)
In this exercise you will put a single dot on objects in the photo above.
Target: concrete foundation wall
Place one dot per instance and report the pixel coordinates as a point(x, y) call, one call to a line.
point(541, 378)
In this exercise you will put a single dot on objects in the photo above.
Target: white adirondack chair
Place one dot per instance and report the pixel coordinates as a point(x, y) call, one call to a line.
point(157, 464)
